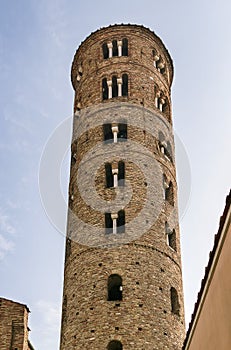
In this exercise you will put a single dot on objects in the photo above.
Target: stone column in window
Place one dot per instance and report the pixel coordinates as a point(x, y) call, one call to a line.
point(114, 218)
point(109, 84)
point(109, 45)
point(155, 59)
point(119, 44)
point(119, 82)
point(160, 66)
point(157, 99)
point(163, 147)
point(115, 176)
point(161, 103)
point(115, 131)
point(165, 187)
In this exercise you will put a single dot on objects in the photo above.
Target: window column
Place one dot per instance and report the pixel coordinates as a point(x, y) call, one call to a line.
point(115, 131)
point(119, 43)
point(109, 45)
point(161, 103)
point(119, 82)
point(114, 218)
point(115, 176)
point(109, 84)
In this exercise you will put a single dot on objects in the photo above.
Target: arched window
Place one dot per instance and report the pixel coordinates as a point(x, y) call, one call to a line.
point(124, 85)
point(115, 345)
point(175, 306)
point(105, 51)
point(104, 89)
point(124, 47)
point(114, 86)
point(121, 222)
point(121, 173)
point(114, 286)
point(114, 48)
point(109, 175)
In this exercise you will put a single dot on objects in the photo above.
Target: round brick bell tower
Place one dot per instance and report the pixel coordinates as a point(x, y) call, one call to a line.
point(122, 278)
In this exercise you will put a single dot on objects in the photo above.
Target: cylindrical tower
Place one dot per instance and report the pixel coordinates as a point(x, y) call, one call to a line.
point(123, 278)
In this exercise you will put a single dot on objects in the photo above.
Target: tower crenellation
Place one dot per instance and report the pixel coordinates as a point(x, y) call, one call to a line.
point(122, 278)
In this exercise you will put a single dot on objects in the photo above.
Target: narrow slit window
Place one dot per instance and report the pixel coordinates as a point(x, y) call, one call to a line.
point(114, 288)
point(171, 236)
point(109, 175)
point(175, 306)
point(124, 85)
point(121, 222)
point(107, 133)
point(122, 134)
point(172, 239)
point(124, 47)
point(105, 51)
point(169, 195)
point(108, 223)
point(104, 89)
point(121, 173)
point(114, 86)
point(114, 48)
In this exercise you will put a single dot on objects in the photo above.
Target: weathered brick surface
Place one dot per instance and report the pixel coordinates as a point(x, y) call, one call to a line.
point(148, 266)
point(13, 325)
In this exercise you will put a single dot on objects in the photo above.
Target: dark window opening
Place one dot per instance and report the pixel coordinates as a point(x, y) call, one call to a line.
point(171, 236)
point(122, 134)
point(172, 239)
point(168, 151)
point(105, 51)
point(121, 173)
point(104, 89)
point(114, 288)
point(107, 133)
point(169, 196)
point(124, 85)
point(114, 86)
point(108, 223)
point(109, 175)
point(121, 222)
point(115, 345)
point(114, 48)
point(175, 306)
point(124, 47)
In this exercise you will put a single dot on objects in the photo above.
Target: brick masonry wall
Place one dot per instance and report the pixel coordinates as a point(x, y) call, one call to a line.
point(148, 266)
point(13, 325)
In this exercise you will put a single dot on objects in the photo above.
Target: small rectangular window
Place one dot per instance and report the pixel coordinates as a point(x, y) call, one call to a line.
point(107, 133)
point(122, 134)
point(108, 223)
point(109, 175)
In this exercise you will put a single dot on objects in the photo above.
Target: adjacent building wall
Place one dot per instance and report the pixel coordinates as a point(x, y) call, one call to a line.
point(211, 324)
point(14, 326)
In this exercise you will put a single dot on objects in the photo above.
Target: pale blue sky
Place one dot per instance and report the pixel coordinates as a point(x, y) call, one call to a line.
point(37, 42)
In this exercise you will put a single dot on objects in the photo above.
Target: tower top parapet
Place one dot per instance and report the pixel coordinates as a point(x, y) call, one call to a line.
point(132, 29)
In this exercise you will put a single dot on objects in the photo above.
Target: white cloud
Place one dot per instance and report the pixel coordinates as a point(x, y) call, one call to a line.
point(6, 228)
point(5, 246)
point(5, 225)
point(50, 316)
point(46, 331)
